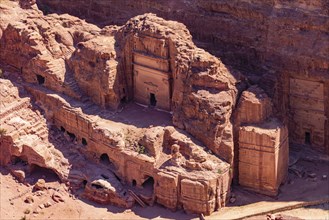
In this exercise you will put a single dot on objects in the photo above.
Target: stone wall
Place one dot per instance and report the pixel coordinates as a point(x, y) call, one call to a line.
point(202, 185)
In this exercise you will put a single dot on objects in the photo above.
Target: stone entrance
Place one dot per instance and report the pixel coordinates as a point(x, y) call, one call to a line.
point(307, 109)
point(151, 72)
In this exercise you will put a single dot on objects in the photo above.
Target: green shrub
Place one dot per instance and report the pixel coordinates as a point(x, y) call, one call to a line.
point(140, 149)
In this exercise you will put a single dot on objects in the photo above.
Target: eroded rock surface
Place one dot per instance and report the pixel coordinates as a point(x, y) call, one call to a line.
point(80, 78)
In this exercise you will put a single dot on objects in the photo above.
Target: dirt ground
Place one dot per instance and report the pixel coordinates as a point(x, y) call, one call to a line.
point(306, 182)
point(13, 194)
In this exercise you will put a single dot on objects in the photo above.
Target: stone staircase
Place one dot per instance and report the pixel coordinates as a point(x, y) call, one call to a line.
point(72, 84)
point(6, 113)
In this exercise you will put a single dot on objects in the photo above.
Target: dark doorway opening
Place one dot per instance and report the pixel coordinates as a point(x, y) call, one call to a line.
point(153, 100)
point(84, 183)
point(41, 79)
point(84, 141)
point(62, 129)
point(123, 100)
point(149, 183)
point(307, 138)
point(104, 159)
point(134, 182)
point(148, 186)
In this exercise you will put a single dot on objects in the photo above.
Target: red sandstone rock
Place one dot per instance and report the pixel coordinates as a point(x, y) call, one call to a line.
point(64, 61)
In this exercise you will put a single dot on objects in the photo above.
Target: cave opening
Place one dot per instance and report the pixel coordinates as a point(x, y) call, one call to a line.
point(40, 79)
point(134, 183)
point(38, 172)
point(15, 160)
point(84, 141)
point(104, 159)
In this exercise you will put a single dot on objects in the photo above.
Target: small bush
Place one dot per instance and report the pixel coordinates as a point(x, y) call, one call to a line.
point(140, 149)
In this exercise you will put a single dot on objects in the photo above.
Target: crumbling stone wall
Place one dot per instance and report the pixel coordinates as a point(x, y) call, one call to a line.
point(204, 180)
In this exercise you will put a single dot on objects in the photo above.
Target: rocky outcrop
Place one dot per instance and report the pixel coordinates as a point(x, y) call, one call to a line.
point(25, 133)
point(272, 41)
point(38, 47)
point(203, 89)
point(262, 153)
point(95, 68)
point(82, 78)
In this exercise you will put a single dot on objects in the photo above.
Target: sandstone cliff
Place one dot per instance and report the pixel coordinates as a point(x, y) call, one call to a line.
point(271, 41)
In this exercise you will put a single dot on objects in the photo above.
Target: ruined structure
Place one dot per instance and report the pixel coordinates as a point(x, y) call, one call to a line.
point(69, 97)
point(262, 143)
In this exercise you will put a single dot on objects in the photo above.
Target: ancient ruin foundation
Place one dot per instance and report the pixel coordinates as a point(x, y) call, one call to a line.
point(135, 112)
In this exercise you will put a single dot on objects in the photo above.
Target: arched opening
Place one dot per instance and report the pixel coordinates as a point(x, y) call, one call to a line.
point(104, 159)
point(40, 79)
point(84, 141)
point(37, 172)
point(148, 185)
point(134, 183)
point(153, 100)
point(62, 129)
